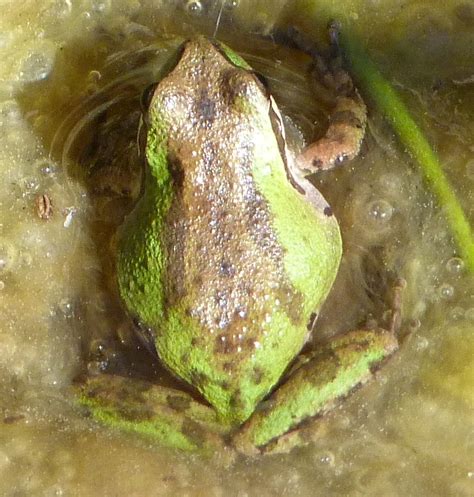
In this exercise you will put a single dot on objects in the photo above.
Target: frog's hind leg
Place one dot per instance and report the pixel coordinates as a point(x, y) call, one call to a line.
point(348, 119)
point(314, 388)
point(158, 414)
point(317, 384)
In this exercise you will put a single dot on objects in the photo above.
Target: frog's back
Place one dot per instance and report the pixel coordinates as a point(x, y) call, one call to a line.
point(222, 257)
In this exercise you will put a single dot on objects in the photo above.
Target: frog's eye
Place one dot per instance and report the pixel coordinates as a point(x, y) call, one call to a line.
point(146, 97)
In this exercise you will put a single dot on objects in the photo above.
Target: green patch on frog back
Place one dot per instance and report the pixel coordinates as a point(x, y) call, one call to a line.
point(140, 251)
point(311, 238)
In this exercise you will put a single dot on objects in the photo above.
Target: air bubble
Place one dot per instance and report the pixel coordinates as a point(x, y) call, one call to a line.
point(455, 265)
point(231, 4)
point(194, 7)
point(45, 167)
point(421, 343)
point(379, 211)
point(446, 291)
point(456, 313)
point(2, 285)
point(66, 307)
point(98, 347)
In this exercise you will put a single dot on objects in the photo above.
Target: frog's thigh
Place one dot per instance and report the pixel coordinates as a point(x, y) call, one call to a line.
point(314, 388)
point(163, 415)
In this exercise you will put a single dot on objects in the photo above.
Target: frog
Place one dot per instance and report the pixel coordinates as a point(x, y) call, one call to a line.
point(224, 263)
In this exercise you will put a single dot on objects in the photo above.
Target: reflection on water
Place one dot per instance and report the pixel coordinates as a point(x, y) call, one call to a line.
point(70, 82)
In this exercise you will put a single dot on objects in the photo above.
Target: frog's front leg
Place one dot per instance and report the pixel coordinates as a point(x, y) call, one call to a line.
point(348, 119)
point(313, 389)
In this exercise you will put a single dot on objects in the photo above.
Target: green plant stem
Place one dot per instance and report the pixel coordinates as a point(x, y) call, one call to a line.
point(391, 105)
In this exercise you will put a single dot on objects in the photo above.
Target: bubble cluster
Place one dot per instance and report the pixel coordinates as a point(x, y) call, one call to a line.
point(37, 65)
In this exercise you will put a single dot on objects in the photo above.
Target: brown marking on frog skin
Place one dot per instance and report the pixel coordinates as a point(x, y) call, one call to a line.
point(219, 232)
point(258, 375)
point(228, 367)
point(223, 345)
point(236, 400)
point(176, 170)
point(184, 358)
point(198, 378)
point(179, 403)
point(194, 431)
point(328, 211)
point(196, 342)
point(205, 109)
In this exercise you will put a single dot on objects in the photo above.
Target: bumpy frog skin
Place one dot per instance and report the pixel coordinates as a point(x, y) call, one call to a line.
point(227, 258)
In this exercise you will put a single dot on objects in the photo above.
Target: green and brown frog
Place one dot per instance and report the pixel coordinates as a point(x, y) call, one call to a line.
point(226, 259)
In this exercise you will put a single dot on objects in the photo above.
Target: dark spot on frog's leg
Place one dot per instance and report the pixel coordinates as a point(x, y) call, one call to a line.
point(179, 403)
point(317, 163)
point(236, 400)
point(196, 342)
point(328, 211)
point(224, 384)
point(194, 431)
point(139, 413)
point(312, 321)
point(258, 375)
point(198, 378)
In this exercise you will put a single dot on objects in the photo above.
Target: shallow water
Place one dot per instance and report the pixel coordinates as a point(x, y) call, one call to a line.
point(407, 433)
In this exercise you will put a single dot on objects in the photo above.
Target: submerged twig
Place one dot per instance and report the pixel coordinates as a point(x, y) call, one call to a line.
point(391, 105)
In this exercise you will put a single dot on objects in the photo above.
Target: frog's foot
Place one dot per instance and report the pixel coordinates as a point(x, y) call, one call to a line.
point(313, 389)
point(348, 119)
point(162, 415)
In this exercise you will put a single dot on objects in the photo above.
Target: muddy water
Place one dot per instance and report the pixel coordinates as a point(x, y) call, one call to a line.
point(70, 82)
